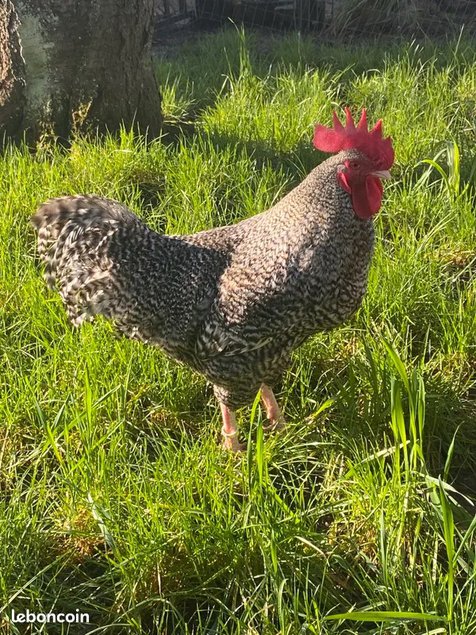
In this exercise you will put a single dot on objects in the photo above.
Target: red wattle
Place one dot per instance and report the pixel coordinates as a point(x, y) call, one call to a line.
point(367, 197)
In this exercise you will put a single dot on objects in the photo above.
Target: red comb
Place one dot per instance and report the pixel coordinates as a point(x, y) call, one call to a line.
point(352, 137)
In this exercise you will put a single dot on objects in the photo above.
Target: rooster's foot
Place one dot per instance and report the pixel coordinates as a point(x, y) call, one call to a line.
point(230, 441)
point(230, 430)
point(275, 425)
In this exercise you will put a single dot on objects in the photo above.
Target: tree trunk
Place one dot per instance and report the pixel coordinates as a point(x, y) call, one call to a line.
point(73, 65)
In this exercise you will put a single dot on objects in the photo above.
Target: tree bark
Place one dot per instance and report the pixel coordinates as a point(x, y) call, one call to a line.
point(12, 98)
point(73, 65)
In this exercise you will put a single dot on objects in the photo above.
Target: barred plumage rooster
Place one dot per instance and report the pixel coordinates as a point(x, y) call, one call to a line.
point(232, 302)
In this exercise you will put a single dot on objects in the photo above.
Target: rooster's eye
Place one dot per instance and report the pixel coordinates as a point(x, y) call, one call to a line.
point(354, 165)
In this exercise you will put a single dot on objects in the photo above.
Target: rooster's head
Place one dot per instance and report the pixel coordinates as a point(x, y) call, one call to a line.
point(367, 158)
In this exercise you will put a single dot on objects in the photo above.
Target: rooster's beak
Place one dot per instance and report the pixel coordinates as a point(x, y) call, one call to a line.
point(381, 174)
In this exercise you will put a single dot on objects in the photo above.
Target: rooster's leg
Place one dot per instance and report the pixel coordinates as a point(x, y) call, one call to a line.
point(230, 430)
point(273, 411)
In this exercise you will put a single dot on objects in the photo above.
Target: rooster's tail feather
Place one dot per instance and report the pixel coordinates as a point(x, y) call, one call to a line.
point(74, 242)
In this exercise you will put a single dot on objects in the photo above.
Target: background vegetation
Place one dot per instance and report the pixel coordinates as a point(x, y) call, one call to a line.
point(115, 495)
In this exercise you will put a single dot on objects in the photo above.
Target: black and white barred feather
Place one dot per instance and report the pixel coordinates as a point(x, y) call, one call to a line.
point(74, 237)
point(232, 302)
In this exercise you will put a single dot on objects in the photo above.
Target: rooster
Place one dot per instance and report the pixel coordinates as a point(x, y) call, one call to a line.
point(231, 302)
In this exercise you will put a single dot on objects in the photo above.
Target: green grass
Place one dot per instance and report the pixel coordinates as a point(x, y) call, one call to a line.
point(115, 495)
